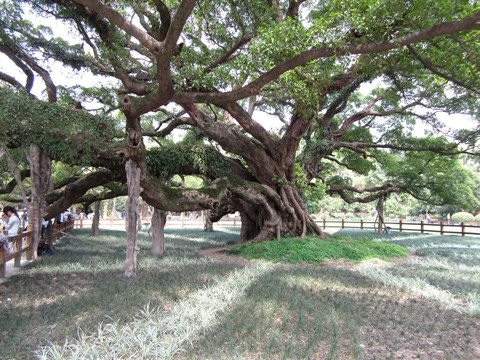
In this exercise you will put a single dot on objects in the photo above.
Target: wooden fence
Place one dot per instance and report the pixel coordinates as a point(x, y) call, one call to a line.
point(23, 246)
point(400, 225)
point(442, 228)
point(173, 223)
point(23, 241)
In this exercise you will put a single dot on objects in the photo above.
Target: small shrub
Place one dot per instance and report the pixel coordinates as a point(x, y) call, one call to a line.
point(462, 217)
point(477, 218)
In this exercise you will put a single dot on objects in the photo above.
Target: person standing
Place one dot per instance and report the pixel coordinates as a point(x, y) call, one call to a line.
point(11, 223)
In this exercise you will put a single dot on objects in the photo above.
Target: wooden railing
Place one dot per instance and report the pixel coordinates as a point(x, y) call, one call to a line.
point(23, 246)
point(176, 223)
point(400, 225)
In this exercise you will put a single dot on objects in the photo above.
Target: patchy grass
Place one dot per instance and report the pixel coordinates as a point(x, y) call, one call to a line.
point(183, 305)
point(315, 250)
point(446, 269)
point(83, 285)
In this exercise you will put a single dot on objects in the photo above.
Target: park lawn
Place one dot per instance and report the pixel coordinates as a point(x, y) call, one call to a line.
point(190, 305)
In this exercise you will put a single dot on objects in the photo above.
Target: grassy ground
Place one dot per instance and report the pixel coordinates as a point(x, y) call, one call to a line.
point(193, 306)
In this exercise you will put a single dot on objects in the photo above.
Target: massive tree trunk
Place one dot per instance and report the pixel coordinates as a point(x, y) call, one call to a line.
point(269, 203)
point(159, 218)
point(266, 213)
point(40, 168)
point(134, 190)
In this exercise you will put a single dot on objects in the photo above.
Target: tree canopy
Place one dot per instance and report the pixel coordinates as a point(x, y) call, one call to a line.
point(349, 82)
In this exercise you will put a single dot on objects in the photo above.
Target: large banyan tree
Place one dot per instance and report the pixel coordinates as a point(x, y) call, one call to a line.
point(344, 80)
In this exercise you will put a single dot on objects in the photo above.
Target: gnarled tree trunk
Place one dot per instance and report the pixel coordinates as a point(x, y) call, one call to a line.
point(207, 222)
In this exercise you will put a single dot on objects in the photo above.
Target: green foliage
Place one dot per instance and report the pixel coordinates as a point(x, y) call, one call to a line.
point(315, 250)
point(62, 171)
point(462, 217)
point(64, 134)
point(432, 177)
point(188, 158)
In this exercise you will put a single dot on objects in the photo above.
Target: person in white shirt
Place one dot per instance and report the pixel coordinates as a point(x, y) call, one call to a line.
point(11, 223)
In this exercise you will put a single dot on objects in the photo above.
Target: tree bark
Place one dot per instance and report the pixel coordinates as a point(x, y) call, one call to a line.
point(40, 169)
point(379, 208)
point(134, 190)
point(96, 219)
point(49, 233)
point(159, 218)
point(207, 222)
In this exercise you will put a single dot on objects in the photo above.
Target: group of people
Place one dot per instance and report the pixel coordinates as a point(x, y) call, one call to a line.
point(9, 226)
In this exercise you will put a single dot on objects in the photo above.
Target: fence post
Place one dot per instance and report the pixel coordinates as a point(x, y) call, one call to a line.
point(361, 224)
point(17, 261)
point(463, 228)
point(29, 252)
point(343, 223)
point(234, 221)
point(421, 226)
point(441, 227)
point(400, 225)
point(3, 267)
point(324, 223)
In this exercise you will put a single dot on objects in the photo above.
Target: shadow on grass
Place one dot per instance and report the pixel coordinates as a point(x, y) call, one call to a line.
point(306, 312)
point(83, 285)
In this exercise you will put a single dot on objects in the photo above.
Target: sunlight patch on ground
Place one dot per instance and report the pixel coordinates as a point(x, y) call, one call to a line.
point(160, 334)
point(418, 286)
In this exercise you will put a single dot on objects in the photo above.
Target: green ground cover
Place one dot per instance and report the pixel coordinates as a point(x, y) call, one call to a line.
point(188, 305)
point(314, 250)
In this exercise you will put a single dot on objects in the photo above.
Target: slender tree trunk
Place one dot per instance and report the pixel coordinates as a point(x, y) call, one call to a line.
point(207, 223)
point(134, 190)
point(114, 208)
point(105, 210)
point(159, 218)
point(381, 222)
point(96, 219)
point(40, 172)
point(49, 233)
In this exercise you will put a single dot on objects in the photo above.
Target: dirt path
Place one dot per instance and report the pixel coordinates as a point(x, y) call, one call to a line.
point(220, 254)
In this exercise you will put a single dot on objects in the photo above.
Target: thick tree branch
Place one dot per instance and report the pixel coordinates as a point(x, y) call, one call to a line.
point(10, 186)
point(359, 146)
point(379, 192)
point(11, 53)
point(255, 86)
point(9, 79)
point(63, 198)
point(117, 19)
point(228, 54)
point(432, 68)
